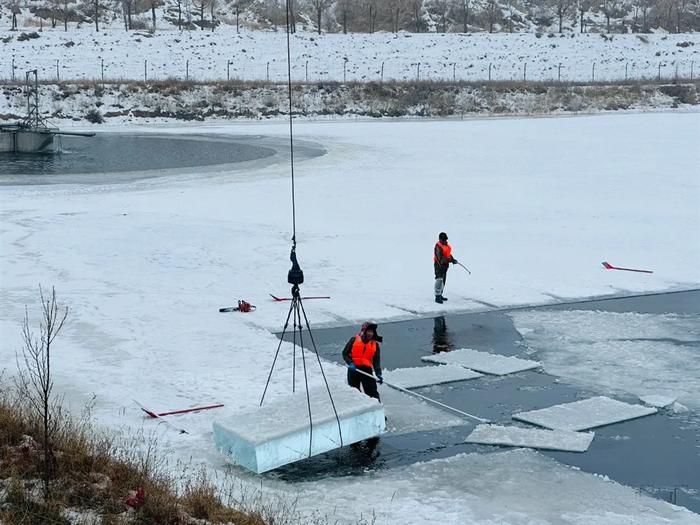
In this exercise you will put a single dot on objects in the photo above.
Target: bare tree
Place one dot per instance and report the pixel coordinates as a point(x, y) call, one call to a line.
point(14, 6)
point(417, 14)
point(200, 5)
point(466, 4)
point(319, 8)
point(395, 8)
point(343, 13)
point(439, 9)
point(35, 379)
point(610, 8)
point(562, 7)
point(492, 10)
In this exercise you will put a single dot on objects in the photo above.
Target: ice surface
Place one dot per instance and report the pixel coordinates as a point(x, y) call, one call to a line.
point(406, 414)
point(483, 361)
point(584, 414)
point(278, 432)
point(657, 400)
point(511, 436)
point(511, 487)
point(428, 375)
point(640, 354)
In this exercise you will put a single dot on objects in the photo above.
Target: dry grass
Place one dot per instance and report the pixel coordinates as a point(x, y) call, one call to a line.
point(96, 474)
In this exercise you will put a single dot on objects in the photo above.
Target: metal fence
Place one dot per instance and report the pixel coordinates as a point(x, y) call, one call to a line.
point(314, 71)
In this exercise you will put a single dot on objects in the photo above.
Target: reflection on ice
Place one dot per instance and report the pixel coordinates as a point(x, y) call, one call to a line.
point(640, 354)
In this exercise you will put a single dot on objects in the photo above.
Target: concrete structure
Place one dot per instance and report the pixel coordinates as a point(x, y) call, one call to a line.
point(24, 141)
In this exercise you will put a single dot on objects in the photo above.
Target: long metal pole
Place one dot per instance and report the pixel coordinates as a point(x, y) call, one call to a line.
point(416, 394)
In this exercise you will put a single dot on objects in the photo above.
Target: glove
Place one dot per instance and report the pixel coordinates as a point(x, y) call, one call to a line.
point(454, 261)
point(380, 379)
point(352, 367)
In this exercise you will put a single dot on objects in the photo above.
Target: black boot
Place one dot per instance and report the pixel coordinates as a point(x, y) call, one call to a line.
point(443, 298)
point(438, 299)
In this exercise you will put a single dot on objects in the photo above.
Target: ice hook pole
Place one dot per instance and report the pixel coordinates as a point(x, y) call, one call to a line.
point(416, 394)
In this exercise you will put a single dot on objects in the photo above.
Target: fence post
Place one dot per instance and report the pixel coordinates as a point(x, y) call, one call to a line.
point(267, 72)
point(559, 73)
point(525, 72)
point(418, 72)
point(381, 76)
point(145, 70)
point(658, 77)
point(692, 63)
point(593, 73)
point(454, 73)
point(345, 64)
point(626, 64)
point(102, 69)
point(187, 71)
point(228, 70)
point(489, 71)
point(58, 76)
point(676, 75)
point(307, 71)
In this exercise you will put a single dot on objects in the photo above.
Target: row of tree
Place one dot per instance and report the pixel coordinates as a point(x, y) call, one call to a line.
point(371, 15)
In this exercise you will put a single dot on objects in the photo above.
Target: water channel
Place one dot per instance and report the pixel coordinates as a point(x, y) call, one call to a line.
point(126, 157)
point(658, 454)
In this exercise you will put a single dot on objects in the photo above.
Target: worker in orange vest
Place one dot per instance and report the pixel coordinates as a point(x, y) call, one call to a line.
point(442, 257)
point(362, 353)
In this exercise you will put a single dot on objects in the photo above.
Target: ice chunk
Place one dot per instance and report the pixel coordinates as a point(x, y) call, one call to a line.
point(428, 375)
point(658, 401)
point(531, 438)
point(407, 414)
point(278, 433)
point(483, 361)
point(581, 415)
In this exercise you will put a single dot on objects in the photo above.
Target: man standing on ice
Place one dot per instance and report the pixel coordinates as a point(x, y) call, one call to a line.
point(442, 257)
point(361, 353)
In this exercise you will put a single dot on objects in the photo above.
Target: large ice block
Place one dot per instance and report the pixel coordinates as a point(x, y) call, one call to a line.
point(278, 433)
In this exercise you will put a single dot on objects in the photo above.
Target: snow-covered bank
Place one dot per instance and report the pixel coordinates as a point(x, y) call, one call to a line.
point(154, 102)
point(532, 207)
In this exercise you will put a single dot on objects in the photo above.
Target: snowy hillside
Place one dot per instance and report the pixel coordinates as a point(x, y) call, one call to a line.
point(261, 55)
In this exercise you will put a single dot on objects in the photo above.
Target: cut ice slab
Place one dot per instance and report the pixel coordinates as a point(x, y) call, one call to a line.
point(483, 361)
point(428, 375)
point(278, 432)
point(510, 436)
point(658, 401)
point(581, 415)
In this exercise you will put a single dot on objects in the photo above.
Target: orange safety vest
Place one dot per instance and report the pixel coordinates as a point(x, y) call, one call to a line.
point(363, 353)
point(446, 251)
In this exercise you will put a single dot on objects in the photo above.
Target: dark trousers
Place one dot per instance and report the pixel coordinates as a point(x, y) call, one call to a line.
point(369, 385)
point(441, 271)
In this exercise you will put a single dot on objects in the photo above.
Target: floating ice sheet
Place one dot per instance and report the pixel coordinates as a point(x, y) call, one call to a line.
point(510, 436)
point(428, 375)
point(658, 401)
point(483, 361)
point(278, 433)
point(581, 415)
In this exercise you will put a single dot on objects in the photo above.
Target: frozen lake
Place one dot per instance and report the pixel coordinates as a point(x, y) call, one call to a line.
point(659, 454)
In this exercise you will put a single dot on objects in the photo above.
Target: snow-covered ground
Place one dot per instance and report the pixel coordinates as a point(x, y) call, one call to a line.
point(259, 55)
point(532, 207)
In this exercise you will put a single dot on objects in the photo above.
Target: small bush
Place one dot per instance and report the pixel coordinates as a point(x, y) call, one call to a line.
point(94, 116)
